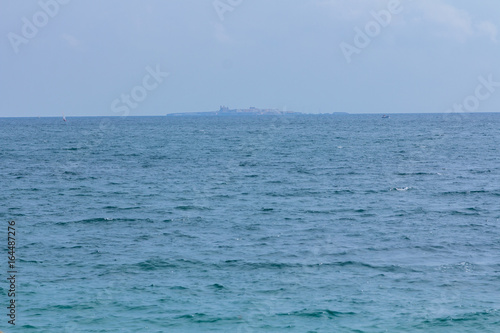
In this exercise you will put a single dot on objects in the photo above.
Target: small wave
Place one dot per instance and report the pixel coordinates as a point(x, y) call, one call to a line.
point(406, 188)
point(320, 313)
point(347, 219)
point(480, 171)
point(286, 265)
point(277, 194)
point(247, 163)
point(96, 220)
point(190, 207)
point(461, 266)
point(416, 173)
point(203, 318)
point(479, 317)
point(430, 248)
point(216, 286)
point(319, 211)
point(86, 221)
point(383, 268)
point(465, 192)
point(467, 212)
point(343, 192)
point(154, 264)
point(178, 288)
point(304, 171)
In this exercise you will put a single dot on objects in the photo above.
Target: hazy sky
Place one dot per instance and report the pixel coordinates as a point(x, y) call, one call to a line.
point(111, 57)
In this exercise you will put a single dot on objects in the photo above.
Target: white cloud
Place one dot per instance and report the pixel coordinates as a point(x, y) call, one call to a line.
point(437, 17)
point(449, 20)
point(489, 29)
point(71, 40)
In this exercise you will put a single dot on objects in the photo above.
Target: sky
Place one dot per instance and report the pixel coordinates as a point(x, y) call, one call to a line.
point(153, 57)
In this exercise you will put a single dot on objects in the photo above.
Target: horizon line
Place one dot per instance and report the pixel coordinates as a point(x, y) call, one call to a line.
point(300, 114)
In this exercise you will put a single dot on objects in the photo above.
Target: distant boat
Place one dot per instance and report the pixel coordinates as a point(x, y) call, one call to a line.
point(385, 116)
point(64, 117)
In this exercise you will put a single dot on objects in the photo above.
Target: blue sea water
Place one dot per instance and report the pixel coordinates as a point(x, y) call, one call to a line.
point(320, 223)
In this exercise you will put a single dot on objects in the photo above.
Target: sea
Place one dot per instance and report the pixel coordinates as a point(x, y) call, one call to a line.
point(299, 223)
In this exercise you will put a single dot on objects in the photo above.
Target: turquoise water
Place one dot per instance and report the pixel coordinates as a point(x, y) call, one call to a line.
point(254, 224)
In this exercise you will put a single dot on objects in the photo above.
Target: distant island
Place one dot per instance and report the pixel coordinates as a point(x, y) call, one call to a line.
point(225, 111)
point(252, 111)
